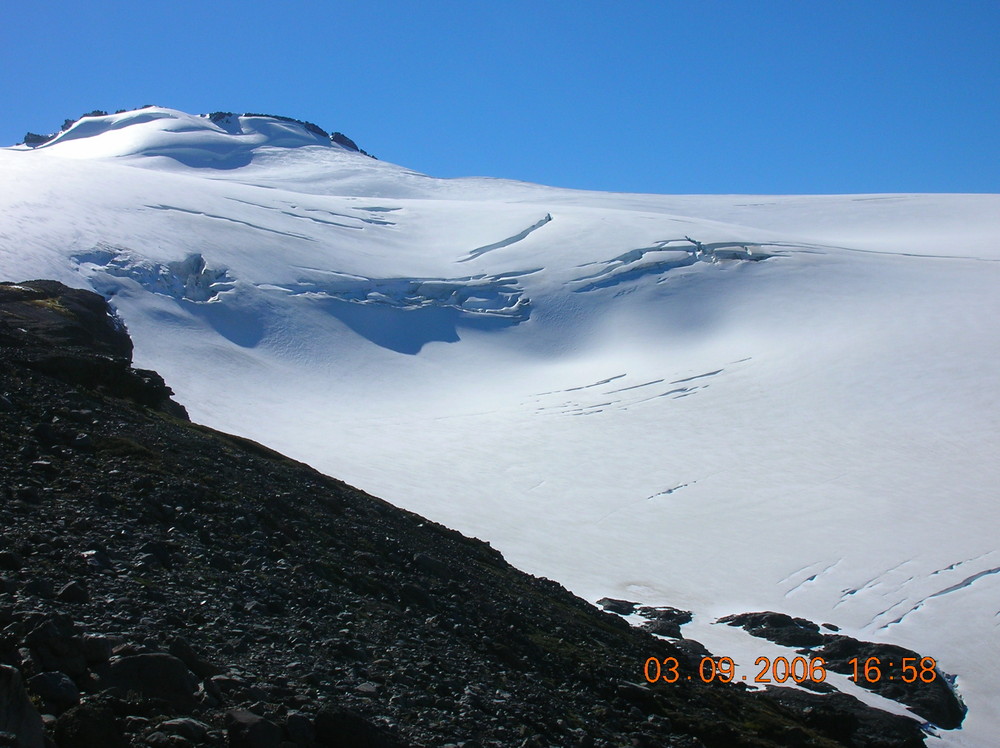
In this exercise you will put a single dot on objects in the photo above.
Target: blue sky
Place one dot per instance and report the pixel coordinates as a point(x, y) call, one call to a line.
point(780, 96)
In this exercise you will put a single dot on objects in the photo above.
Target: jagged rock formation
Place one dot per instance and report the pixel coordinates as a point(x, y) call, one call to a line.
point(164, 584)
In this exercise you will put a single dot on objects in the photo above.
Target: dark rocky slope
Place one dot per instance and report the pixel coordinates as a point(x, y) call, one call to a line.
point(164, 584)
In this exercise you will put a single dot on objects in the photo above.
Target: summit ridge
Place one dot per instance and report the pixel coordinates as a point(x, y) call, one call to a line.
point(198, 140)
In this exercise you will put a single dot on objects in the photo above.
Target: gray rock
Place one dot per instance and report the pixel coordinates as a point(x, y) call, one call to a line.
point(39, 587)
point(89, 726)
point(83, 442)
point(10, 561)
point(18, 716)
point(224, 685)
point(299, 728)
point(621, 607)
point(155, 676)
point(97, 559)
point(56, 646)
point(338, 728)
point(186, 727)
point(430, 565)
point(56, 688)
point(74, 592)
point(413, 593)
point(183, 651)
point(97, 649)
point(249, 730)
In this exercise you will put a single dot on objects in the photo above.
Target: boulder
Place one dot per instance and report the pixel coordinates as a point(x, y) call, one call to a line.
point(97, 649)
point(18, 716)
point(430, 565)
point(89, 726)
point(190, 729)
point(154, 676)
point(183, 651)
point(665, 621)
point(299, 729)
point(935, 701)
point(73, 592)
point(778, 628)
point(57, 646)
point(56, 689)
point(337, 727)
point(621, 607)
point(249, 730)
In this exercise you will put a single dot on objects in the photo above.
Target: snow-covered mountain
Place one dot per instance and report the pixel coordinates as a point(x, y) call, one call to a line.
point(720, 403)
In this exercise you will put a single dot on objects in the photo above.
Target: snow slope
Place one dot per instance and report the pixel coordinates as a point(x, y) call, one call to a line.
point(721, 403)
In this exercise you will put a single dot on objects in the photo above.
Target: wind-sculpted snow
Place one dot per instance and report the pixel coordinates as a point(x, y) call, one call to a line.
point(520, 236)
point(190, 278)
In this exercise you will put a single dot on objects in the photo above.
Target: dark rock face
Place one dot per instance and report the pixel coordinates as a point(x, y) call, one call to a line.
point(18, 718)
point(778, 628)
point(67, 318)
point(621, 607)
point(295, 609)
point(342, 140)
point(845, 720)
point(34, 139)
point(71, 334)
point(934, 701)
point(665, 621)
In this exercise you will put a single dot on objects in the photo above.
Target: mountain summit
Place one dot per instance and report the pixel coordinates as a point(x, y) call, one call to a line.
point(221, 140)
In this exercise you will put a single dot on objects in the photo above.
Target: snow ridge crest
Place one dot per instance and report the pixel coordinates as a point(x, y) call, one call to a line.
point(219, 139)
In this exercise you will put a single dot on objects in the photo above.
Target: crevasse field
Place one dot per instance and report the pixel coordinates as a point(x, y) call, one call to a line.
point(719, 403)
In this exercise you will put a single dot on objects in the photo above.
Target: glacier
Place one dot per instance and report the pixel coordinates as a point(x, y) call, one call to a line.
point(723, 403)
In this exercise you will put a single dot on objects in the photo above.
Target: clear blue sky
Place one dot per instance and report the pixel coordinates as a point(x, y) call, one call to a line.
point(762, 96)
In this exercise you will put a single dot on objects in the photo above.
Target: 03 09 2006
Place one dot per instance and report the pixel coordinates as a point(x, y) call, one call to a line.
point(796, 669)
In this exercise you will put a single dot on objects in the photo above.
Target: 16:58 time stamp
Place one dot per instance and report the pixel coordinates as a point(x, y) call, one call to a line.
point(799, 670)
